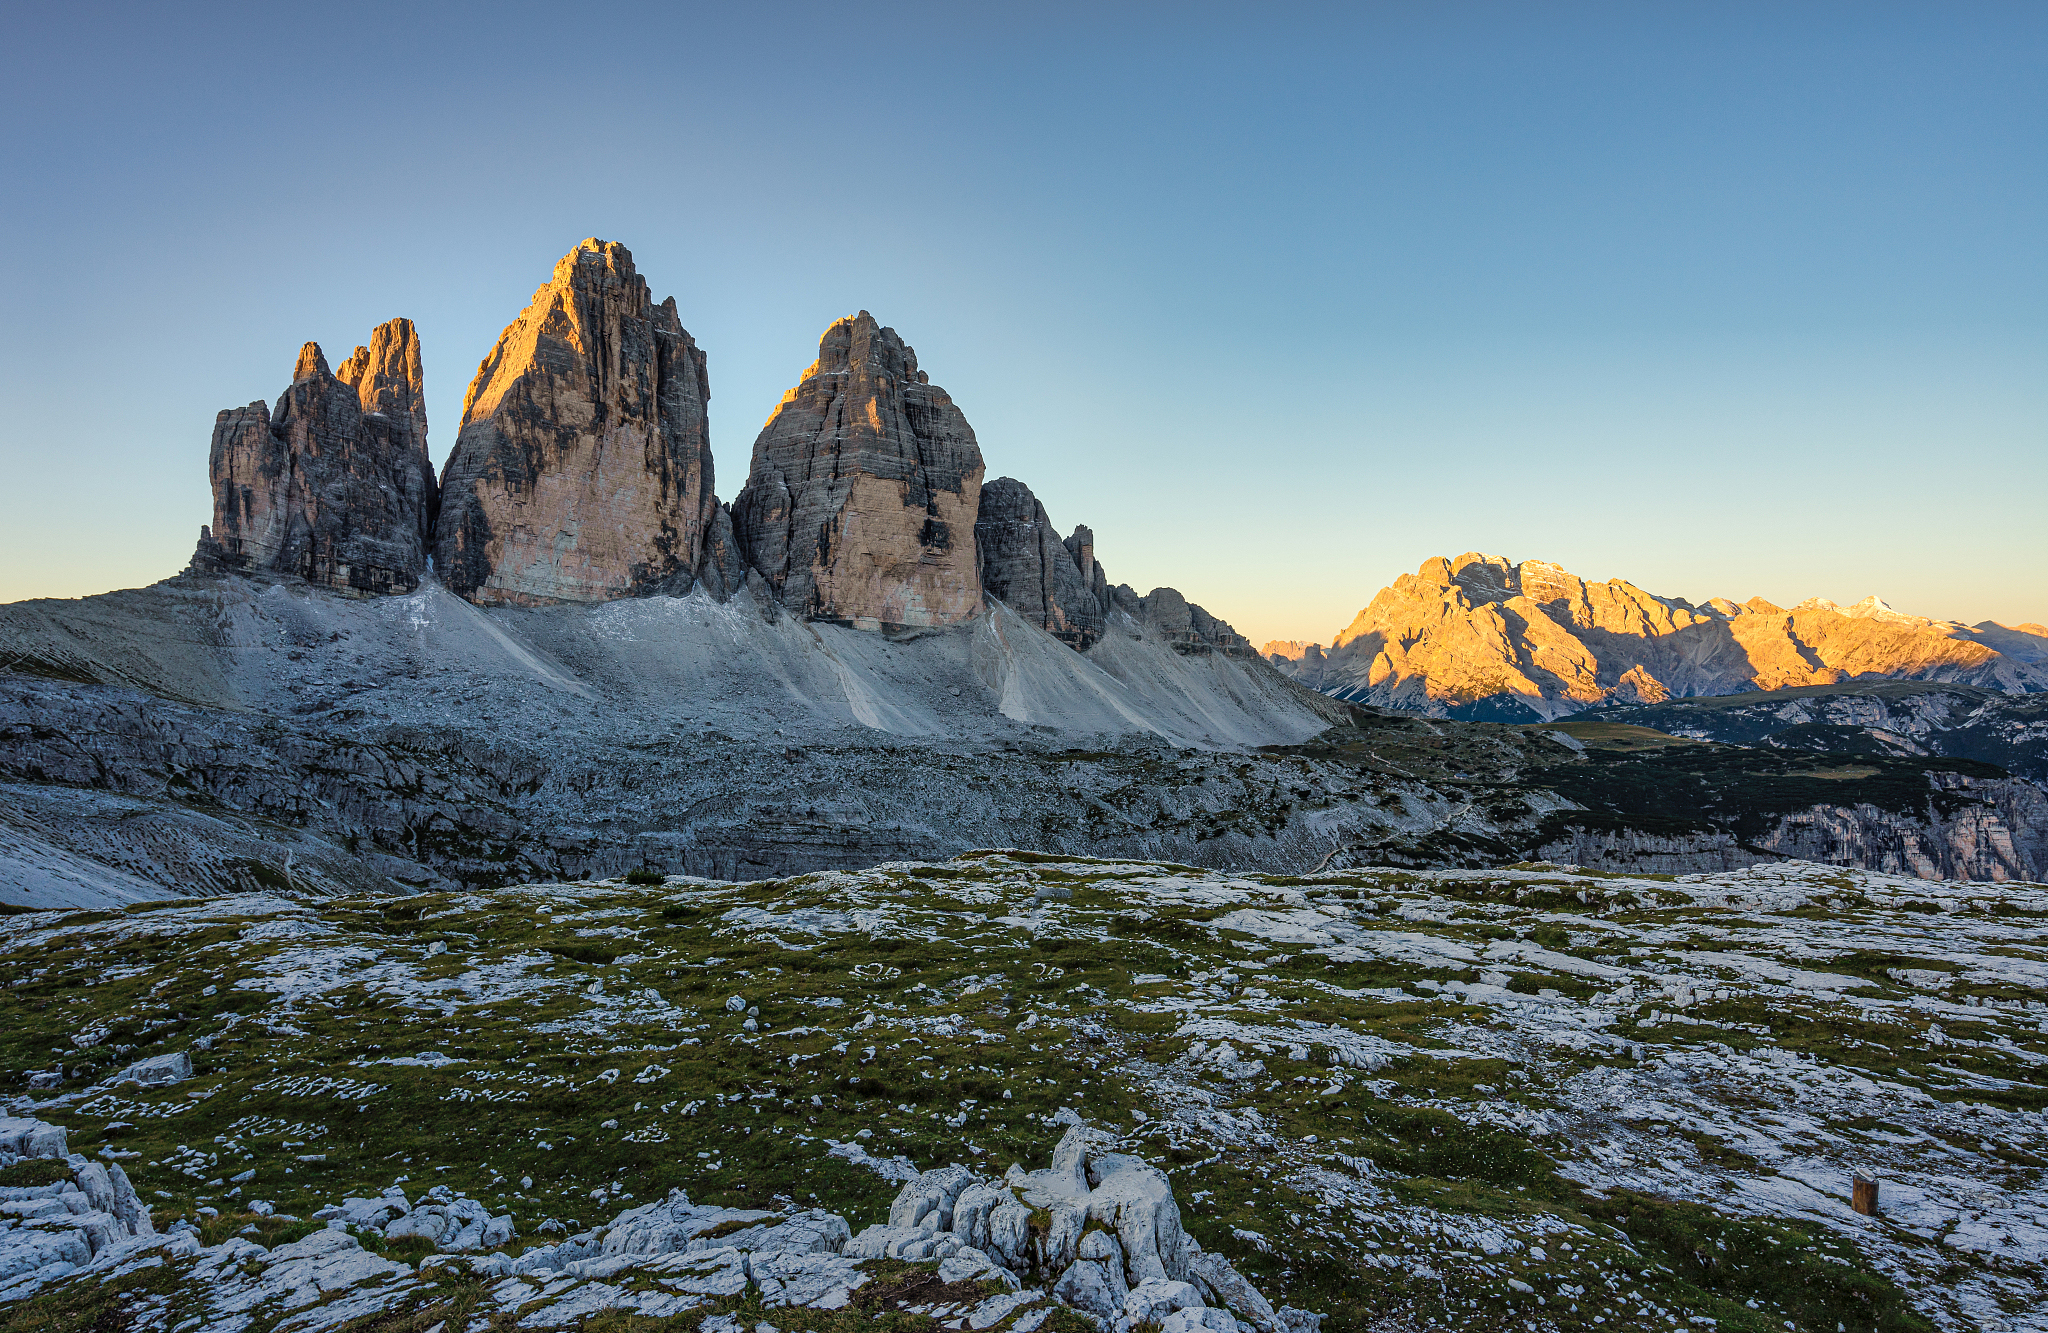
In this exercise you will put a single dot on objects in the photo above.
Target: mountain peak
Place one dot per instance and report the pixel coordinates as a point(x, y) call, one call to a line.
point(1482, 637)
point(582, 471)
point(861, 501)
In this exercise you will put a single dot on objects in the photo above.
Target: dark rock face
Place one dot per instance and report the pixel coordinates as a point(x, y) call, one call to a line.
point(1080, 545)
point(1188, 628)
point(583, 470)
point(861, 501)
point(1026, 566)
point(721, 569)
point(334, 486)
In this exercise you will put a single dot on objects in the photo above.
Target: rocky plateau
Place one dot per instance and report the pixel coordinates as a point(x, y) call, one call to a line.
point(1025, 1092)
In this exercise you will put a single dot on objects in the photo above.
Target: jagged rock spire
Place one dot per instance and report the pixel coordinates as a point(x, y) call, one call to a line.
point(861, 501)
point(583, 468)
point(327, 487)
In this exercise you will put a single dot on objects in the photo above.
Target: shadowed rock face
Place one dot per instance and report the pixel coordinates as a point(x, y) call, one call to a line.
point(861, 501)
point(583, 469)
point(334, 486)
point(1026, 566)
point(1189, 629)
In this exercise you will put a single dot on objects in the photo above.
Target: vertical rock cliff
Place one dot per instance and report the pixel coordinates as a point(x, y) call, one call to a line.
point(335, 485)
point(1026, 566)
point(583, 468)
point(861, 501)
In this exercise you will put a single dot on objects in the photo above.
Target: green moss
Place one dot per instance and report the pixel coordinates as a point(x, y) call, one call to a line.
point(34, 1171)
point(1719, 1264)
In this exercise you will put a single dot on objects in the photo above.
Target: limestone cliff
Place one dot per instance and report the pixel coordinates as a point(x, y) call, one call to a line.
point(583, 468)
point(334, 486)
point(1028, 567)
point(861, 501)
point(1481, 637)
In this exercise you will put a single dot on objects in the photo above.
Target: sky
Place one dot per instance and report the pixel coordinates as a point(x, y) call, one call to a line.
point(1726, 299)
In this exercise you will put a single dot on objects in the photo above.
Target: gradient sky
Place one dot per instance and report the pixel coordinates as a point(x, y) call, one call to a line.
point(1721, 298)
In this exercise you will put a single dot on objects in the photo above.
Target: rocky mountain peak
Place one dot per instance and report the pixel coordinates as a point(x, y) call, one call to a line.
point(1485, 578)
point(387, 376)
point(1481, 637)
point(861, 342)
point(1027, 567)
point(326, 487)
point(312, 363)
point(583, 467)
point(861, 501)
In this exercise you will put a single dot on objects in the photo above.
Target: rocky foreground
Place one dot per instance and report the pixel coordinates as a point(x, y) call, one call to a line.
point(1531, 1098)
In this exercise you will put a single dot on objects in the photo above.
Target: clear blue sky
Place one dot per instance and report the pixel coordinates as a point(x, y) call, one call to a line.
point(1723, 298)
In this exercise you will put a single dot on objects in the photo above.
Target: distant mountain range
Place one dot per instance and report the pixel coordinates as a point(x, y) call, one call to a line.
point(565, 657)
point(1482, 639)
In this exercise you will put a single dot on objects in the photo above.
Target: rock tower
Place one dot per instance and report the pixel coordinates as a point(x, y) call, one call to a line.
point(861, 501)
point(333, 486)
point(583, 468)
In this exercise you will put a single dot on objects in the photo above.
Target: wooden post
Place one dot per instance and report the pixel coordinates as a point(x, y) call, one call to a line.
point(1865, 1197)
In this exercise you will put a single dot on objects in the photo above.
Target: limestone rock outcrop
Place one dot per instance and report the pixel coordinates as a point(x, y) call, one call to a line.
point(1099, 1229)
point(1480, 637)
point(583, 469)
point(334, 485)
point(865, 484)
point(1189, 629)
point(1026, 565)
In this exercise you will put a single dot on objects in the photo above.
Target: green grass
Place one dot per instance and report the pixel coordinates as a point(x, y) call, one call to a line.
point(970, 1025)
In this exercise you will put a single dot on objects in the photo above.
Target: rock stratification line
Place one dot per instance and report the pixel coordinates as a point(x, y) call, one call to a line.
point(861, 501)
point(583, 468)
point(334, 486)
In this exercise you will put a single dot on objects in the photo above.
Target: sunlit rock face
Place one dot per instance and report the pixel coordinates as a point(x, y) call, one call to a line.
point(583, 468)
point(334, 486)
point(1026, 566)
point(1481, 637)
point(861, 501)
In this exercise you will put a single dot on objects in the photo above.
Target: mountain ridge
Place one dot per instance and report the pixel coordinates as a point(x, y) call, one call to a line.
point(1479, 637)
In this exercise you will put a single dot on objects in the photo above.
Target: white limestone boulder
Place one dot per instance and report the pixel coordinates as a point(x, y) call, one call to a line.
point(1152, 1300)
point(815, 1280)
point(158, 1071)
